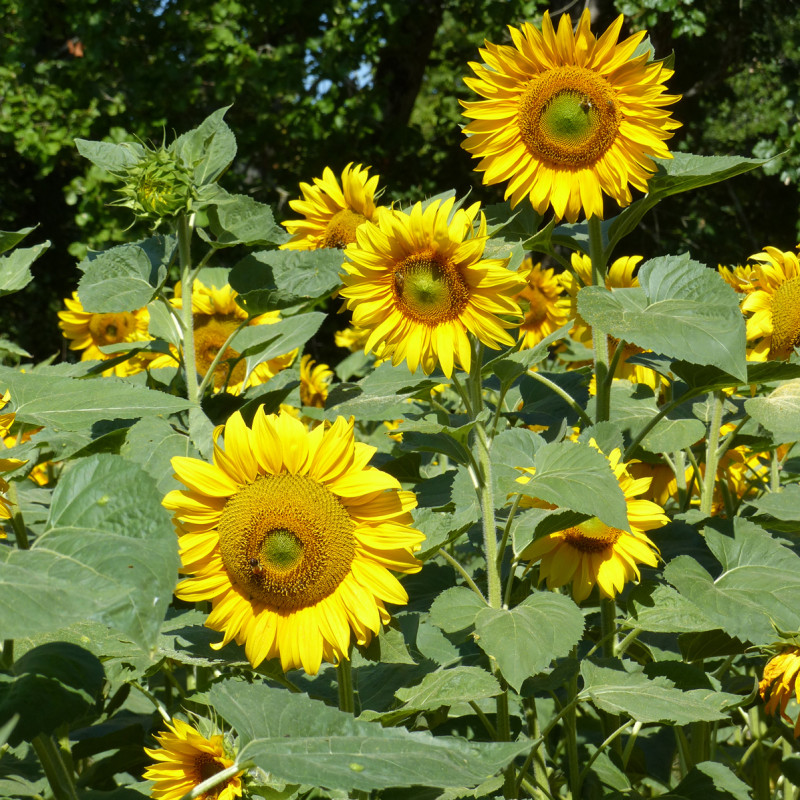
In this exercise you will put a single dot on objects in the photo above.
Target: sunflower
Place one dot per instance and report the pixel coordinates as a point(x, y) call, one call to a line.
point(216, 315)
point(291, 536)
point(620, 275)
point(314, 380)
point(332, 211)
point(780, 682)
point(594, 553)
point(40, 474)
point(739, 277)
point(6, 464)
point(185, 759)
point(354, 339)
point(88, 332)
point(548, 308)
point(567, 116)
point(774, 304)
point(419, 283)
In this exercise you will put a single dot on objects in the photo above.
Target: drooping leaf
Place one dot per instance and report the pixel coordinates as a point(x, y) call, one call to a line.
point(301, 740)
point(783, 505)
point(526, 639)
point(260, 343)
point(710, 780)
point(114, 158)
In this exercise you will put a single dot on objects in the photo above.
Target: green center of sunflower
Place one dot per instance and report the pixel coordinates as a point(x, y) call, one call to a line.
point(568, 116)
point(785, 319)
point(428, 289)
point(341, 230)
point(111, 328)
point(210, 335)
point(286, 540)
point(592, 536)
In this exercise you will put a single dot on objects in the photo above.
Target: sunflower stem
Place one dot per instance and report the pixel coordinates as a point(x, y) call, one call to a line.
point(216, 780)
point(599, 337)
point(571, 730)
point(608, 626)
point(209, 376)
point(612, 737)
point(712, 452)
point(461, 571)
point(7, 655)
point(344, 674)
point(55, 770)
point(775, 472)
point(187, 289)
point(17, 521)
point(565, 396)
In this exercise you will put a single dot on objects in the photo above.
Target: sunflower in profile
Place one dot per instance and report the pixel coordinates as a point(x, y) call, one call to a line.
point(216, 315)
point(291, 537)
point(594, 553)
point(774, 304)
point(780, 683)
point(567, 117)
point(420, 284)
point(6, 464)
point(89, 332)
point(185, 759)
point(332, 211)
point(544, 303)
point(740, 277)
point(620, 275)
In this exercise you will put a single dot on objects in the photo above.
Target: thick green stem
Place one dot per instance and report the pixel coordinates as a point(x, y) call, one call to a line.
point(614, 736)
point(461, 571)
point(565, 396)
point(608, 626)
point(56, 772)
point(17, 521)
point(712, 453)
point(344, 674)
point(7, 656)
point(599, 337)
point(775, 473)
point(489, 524)
point(187, 288)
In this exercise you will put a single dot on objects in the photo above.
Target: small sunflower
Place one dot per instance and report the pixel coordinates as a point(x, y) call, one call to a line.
point(774, 304)
point(332, 211)
point(185, 759)
point(291, 537)
point(88, 332)
point(314, 380)
point(216, 315)
point(567, 116)
point(780, 683)
point(40, 473)
point(544, 303)
point(594, 553)
point(6, 464)
point(354, 339)
point(420, 284)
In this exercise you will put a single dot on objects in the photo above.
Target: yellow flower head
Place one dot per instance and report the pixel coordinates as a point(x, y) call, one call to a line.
point(88, 332)
point(739, 277)
point(420, 284)
point(594, 553)
point(314, 380)
point(216, 315)
point(544, 303)
point(185, 759)
point(567, 117)
point(332, 211)
point(291, 536)
point(780, 683)
point(774, 303)
point(6, 464)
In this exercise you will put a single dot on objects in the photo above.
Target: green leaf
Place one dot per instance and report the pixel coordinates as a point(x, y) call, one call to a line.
point(275, 279)
point(526, 639)
point(783, 505)
point(9, 239)
point(208, 149)
point(533, 523)
point(74, 404)
point(55, 684)
point(125, 278)
point(779, 411)
point(710, 780)
point(660, 609)
point(447, 687)
point(15, 273)
point(238, 219)
point(455, 609)
point(681, 310)
point(259, 343)
point(115, 158)
point(577, 477)
point(510, 366)
point(303, 741)
point(760, 578)
point(108, 553)
point(617, 691)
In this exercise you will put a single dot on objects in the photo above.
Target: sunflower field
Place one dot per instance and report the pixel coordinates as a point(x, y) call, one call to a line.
point(533, 533)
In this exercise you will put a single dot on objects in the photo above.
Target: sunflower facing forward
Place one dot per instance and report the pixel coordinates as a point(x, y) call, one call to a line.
point(332, 211)
point(420, 284)
point(291, 537)
point(594, 553)
point(567, 116)
point(185, 759)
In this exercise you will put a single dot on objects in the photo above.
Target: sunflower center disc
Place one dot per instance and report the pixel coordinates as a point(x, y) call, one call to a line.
point(592, 536)
point(429, 291)
point(568, 116)
point(286, 540)
point(210, 334)
point(341, 230)
point(205, 765)
point(785, 319)
point(110, 328)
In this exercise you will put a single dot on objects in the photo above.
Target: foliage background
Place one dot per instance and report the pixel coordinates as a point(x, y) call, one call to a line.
point(373, 81)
